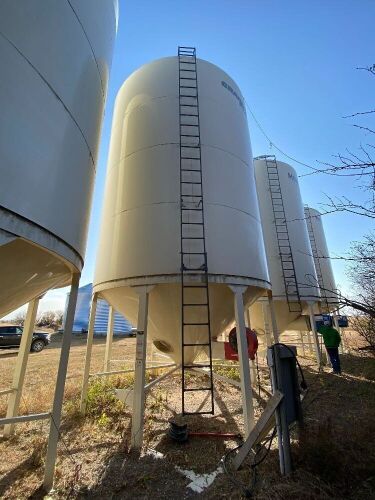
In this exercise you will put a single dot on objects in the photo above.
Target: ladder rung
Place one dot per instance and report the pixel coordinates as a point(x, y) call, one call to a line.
point(195, 286)
point(198, 389)
point(189, 105)
point(192, 209)
point(187, 78)
point(196, 366)
point(198, 412)
point(199, 344)
point(190, 146)
point(192, 238)
point(193, 271)
point(191, 196)
point(190, 182)
point(193, 253)
point(193, 223)
point(191, 170)
point(190, 70)
point(196, 305)
point(196, 324)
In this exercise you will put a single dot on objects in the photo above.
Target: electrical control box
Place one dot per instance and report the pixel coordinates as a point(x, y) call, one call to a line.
point(281, 360)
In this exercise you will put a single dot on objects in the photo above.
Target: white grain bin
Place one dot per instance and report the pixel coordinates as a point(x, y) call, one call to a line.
point(324, 271)
point(55, 58)
point(287, 243)
point(140, 233)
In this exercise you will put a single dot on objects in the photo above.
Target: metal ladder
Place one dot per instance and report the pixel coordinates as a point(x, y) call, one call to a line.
point(194, 278)
point(314, 248)
point(285, 251)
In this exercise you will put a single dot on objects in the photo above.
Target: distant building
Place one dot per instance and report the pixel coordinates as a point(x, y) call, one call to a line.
point(81, 317)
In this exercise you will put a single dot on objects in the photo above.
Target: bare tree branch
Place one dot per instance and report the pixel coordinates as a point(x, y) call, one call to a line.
point(364, 128)
point(360, 113)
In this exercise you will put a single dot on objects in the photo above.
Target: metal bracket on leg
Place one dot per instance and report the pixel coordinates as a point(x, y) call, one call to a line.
point(243, 358)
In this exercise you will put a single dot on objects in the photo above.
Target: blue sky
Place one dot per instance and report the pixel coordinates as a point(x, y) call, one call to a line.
point(295, 62)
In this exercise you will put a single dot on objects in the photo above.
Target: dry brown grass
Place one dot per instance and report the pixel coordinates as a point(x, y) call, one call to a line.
point(333, 457)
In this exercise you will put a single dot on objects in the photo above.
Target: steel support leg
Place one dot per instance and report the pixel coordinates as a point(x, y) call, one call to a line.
point(266, 318)
point(140, 368)
point(253, 372)
point(108, 344)
point(315, 336)
point(243, 358)
point(310, 341)
point(21, 364)
point(60, 385)
point(302, 344)
point(90, 338)
point(272, 317)
point(336, 323)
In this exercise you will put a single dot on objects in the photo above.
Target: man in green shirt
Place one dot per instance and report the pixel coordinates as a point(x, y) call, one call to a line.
point(332, 341)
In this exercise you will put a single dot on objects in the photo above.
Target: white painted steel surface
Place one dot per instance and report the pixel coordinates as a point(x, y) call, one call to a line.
point(299, 243)
point(327, 281)
point(140, 233)
point(55, 58)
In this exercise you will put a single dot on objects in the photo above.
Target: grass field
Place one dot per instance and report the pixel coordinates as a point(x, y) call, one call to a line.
point(333, 455)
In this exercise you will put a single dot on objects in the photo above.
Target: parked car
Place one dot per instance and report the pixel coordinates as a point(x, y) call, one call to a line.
point(10, 336)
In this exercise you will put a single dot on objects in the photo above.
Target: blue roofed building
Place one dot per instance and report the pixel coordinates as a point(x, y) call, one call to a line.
point(81, 318)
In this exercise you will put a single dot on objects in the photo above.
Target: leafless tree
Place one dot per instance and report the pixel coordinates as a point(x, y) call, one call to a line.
point(19, 318)
point(50, 319)
point(362, 275)
point(360, 165)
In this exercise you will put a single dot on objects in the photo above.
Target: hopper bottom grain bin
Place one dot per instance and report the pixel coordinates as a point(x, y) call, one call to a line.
point(55, 58)
point(156, 110)
point(289, 254)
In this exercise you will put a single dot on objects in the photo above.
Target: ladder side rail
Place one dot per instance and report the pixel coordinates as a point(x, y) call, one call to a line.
point(286, 240)
point(190, 53)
